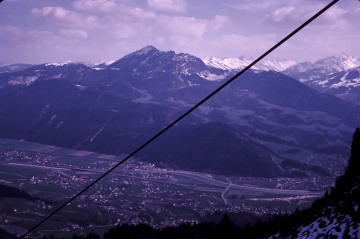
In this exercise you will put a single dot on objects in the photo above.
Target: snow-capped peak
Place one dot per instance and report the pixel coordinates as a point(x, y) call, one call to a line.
point(339, 63)
point(60, 63)
point(277, 65)
point(349, 62)
point(227, 63)
point(242, 62)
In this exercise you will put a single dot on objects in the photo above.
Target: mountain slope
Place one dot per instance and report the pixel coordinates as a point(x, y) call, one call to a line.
point(344, 84)
point(202, 147)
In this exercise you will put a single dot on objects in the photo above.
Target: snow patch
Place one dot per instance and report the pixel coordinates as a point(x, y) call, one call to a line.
point(211, 77)
point(42, 113)
point(191, 84)
point(107, 63)
point(81, 87)
point(20, 80)
point(59, 124)
point(57, 76)
point(52, 119)
point(96, 134)
point(344, 82)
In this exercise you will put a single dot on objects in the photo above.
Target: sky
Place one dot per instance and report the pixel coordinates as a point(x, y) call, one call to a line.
point(41, 31)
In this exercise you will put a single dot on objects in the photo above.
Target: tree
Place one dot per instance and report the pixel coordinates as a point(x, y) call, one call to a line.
point(92, 236)
point(354, 162)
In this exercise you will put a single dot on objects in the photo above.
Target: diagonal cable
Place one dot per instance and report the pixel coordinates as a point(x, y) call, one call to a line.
point(183, 116)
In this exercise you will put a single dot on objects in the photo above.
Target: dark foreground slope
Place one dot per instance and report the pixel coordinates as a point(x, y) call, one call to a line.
point(335, 215)
point(8, 192)
point(11, 192)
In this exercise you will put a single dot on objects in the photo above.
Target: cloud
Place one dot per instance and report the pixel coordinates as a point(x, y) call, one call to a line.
point(74, 33)
point(168, 5)
point(95, 5)
point(335, 13)
point(10, 32)
point(336, 17)
point(57, 12)
point(140, 13)
point(219, 22)
point(63, 16)
point(289, 15)
point(295, 14)
point(282, 13)
point(253, 6)
point(191, 26)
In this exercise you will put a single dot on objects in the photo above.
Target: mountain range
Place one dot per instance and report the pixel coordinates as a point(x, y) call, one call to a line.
point(258, 123)
point(308, 71)
point(335, 75)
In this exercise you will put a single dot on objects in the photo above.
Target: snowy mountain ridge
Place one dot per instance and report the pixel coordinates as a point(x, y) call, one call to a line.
point(242, 62)
point(307, 71)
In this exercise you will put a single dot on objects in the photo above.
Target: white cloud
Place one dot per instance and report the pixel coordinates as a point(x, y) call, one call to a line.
point(95, 5)
point(74, 33)
point(63, 16)
point(292, 15)
point(336, 17)
point(140, 13)
point(282, 13)
point(168, 5)
point(253, 6)
point(335, 13)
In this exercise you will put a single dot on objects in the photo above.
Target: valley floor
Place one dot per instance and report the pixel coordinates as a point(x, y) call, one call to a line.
point(137, 192)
